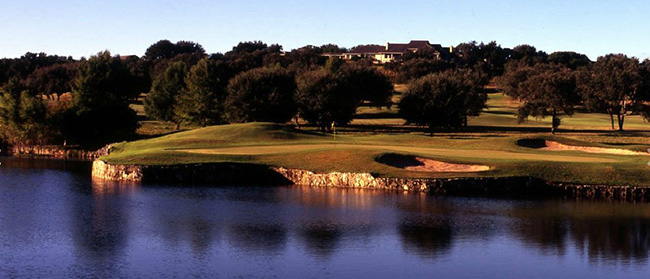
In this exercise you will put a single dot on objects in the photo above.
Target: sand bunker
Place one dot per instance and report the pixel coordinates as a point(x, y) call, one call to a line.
point(551, 145)
point(412, 163)
point(556, 146)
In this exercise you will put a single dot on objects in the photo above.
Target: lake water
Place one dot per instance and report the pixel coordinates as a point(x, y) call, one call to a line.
point(56, 223)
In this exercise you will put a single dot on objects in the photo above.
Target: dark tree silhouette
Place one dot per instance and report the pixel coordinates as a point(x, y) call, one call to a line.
point(101, 93)
point(570, 59)
point(262, 94)
point(323, 99)
point(442, 100)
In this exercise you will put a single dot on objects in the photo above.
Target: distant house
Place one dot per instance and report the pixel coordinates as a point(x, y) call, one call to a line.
point(391, 51)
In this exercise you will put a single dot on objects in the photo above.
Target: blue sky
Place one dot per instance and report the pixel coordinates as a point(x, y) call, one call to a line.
point(82, 28)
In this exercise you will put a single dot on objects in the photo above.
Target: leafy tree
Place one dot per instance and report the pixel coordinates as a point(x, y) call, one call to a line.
point(201, 103)
point(158, 67)
point(442, 100)
point(23, 66)
point(52, 79)
point(545, 90)
point(419, 67)
point(160, 102)
point(188, 47)
point(323, 99)
point(616, 85)
point(249, 47)
point(486, 58)
point(570, 59)
point(305, 58)
point(164, 49)
point(139, 69)
point(364, 83)
point(23, 119)
point(262, 94)
point(160, 50)
point(332, 48)
point(100, 111)
point(250, 55)
point(528, 55)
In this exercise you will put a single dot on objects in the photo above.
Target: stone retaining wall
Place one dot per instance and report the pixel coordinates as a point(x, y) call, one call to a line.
point(213, 173)
point(56, 152)
point(237, 174)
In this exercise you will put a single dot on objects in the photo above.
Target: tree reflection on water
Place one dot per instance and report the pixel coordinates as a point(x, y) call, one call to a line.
point(100, 229)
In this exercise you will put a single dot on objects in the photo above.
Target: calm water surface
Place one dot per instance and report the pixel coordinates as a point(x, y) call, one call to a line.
point(56, 223)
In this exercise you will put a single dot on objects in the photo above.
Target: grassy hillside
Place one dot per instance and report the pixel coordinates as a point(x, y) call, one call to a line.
point(490, 140)
point(279, 145)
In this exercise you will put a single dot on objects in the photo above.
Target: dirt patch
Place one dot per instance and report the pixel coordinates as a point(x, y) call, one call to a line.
point(414, 163)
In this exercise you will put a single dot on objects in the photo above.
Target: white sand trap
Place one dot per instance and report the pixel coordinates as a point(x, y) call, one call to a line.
point(556, 146)
point(437, 166)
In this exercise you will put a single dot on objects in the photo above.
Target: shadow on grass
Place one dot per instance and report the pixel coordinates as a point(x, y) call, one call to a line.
point(381, 115)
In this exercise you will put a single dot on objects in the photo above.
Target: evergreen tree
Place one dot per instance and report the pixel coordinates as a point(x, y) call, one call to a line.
point(160, 102)
point(201, 103)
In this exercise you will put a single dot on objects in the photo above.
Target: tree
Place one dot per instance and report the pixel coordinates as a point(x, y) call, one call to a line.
point(23, 66)
point(616, 85)
point(488, 59)
point(570, 59)
point(160, 102)
point(419, 67)
point(305, 58)
point(188, 47)
point(545, 90)
point(56, 78)
point(333, 48)
point(528, 55)
point(158, 67)
point(250, 55)
point(164, 49)
point(442, 100)
point(262, 94)
point(364, 83)
point(23, 118)
point(323, 99)
point(201, 103)
point(139, 69)
point(100, 111)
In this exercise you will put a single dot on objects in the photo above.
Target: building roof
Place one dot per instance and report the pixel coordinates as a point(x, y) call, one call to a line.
point(368, 49)
point(413, 45)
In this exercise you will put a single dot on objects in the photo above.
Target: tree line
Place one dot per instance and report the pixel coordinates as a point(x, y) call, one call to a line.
point(259, 82)
point(183, 84)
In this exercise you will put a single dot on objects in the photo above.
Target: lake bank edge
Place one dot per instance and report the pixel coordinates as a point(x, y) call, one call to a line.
point(257, 174)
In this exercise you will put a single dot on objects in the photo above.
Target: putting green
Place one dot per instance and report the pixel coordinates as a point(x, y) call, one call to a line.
point(460, 153)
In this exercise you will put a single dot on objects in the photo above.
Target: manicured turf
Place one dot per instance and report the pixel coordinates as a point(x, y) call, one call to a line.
point(490, 140)
point(280, 145)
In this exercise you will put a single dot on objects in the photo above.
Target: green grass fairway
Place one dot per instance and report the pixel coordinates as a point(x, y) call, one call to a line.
point(280, 145)
point(490, 140)
point(500, 114)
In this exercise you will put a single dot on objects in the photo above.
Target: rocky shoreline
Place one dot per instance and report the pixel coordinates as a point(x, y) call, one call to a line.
point(252, 174)
point(56, 152)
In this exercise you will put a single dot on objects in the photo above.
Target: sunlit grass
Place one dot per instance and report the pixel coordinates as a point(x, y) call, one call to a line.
point(279, 145)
